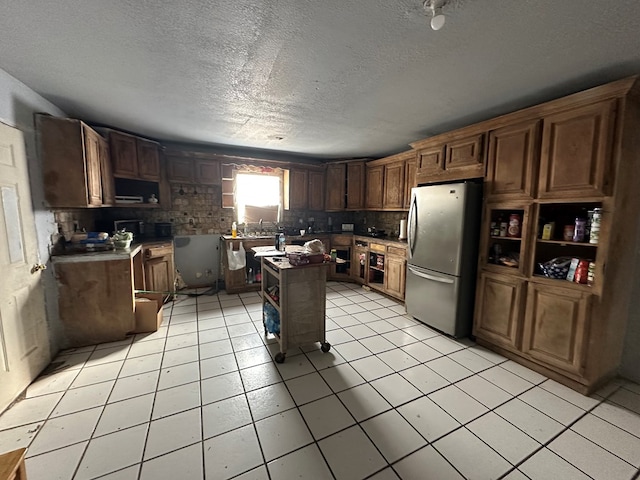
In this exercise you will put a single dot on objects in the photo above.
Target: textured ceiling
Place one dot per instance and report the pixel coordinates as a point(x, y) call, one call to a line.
point(329, 78)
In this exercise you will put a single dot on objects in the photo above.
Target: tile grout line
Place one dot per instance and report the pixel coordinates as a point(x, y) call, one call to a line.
point(253, 421)
point(565, 428)
point(155, 394)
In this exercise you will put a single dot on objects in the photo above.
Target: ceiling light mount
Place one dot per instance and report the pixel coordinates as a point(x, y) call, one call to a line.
point(434, 8)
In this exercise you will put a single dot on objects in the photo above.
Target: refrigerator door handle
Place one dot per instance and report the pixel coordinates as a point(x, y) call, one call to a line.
point(430, 277)
point(413, 227)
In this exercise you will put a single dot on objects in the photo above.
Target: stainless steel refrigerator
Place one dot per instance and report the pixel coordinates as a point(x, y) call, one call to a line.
point(443, 232)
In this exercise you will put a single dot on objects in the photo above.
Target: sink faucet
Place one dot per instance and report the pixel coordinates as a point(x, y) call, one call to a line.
point(260, 222)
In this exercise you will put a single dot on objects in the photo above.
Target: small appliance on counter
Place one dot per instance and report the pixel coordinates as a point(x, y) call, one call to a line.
point(135, 226)
point(347, 227)
point(375, 233)
point(163, 229)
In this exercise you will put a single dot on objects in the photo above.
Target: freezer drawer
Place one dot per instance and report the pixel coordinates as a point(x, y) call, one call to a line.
point(433, 298)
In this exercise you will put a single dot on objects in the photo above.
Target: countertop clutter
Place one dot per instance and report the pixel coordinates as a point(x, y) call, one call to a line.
point(378, 263)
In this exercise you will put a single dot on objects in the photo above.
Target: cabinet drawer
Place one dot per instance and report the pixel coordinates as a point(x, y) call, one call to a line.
point(401, 252)
point(158, 251)
point(374, 247)
point(341, 240)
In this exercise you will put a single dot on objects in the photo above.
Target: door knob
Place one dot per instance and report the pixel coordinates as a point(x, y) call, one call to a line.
point(37, 267)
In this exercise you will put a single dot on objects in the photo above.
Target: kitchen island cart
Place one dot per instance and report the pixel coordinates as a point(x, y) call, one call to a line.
point(298, 295)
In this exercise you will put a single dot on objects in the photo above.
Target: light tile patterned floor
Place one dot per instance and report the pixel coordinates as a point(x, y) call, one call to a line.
point(202, 398)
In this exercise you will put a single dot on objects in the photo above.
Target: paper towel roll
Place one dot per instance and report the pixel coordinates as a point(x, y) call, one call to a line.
point(403, 230)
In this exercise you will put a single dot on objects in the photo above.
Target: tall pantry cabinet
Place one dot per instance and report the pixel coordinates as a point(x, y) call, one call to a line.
point(551, 164)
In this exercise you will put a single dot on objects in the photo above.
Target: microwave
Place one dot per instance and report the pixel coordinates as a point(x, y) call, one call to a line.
point(134, 226)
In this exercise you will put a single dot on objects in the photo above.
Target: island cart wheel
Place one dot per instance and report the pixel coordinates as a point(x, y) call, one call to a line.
point(279, 358)
point(325, 347)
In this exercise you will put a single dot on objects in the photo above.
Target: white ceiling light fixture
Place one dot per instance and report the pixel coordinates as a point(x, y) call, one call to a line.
point(434, 7)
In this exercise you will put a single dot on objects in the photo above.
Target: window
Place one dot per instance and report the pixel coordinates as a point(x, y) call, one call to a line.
point(255, 192)
point(258, 196)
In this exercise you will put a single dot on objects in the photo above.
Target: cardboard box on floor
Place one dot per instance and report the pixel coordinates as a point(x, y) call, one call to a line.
point(148, 312)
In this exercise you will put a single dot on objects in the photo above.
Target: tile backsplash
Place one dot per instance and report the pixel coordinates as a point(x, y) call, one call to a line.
point(197, 210)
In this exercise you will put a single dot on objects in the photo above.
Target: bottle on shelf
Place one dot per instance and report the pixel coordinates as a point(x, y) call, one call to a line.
point(496, 229)
point(578, 230)
point(504, 227)
point(594, 234)
point(514, 226)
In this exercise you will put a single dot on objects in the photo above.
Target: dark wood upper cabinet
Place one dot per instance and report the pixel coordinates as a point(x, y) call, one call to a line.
point(123, 155)
point(576, 152)
point(394, 185)
point(335, 186)
point(355, 185)
point(453, 156)
point(108, 187)
point(316, 190)
point(298, 189)
point(409, 181)
point(148, 157)
point(133, 157)
point(465, 153)
point(180, 169)
point(374, 187)
point(93, 165)
point(76, 172)
point(512, 161)
point(430, 161)
point(207, 172)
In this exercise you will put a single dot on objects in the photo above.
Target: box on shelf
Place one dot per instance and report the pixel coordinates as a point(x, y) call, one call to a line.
point(148, 312)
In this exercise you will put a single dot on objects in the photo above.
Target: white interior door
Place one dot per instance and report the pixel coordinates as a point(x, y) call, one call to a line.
point(24, 343)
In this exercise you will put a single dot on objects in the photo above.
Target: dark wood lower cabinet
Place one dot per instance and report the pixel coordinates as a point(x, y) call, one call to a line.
point(395, 275)
point(555, 326)
point(498, 309)
point(159, 270)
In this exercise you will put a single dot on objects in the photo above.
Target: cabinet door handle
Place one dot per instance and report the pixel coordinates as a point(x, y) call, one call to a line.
point(413, 220)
